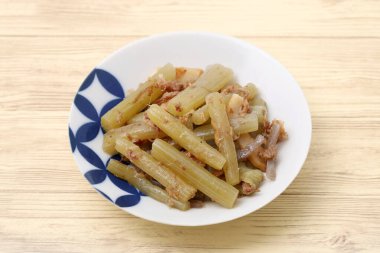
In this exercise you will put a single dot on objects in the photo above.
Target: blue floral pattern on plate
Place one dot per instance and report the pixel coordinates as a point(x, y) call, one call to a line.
point(90, 130)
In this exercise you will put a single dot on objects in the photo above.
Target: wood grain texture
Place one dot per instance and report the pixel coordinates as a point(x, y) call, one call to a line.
point(331, 47)
point(240, 17)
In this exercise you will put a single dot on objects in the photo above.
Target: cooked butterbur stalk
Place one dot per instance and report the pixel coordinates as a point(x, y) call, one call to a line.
point(261, 113)
point(201, 115)
point(271, 170)
point(251, 147)
point(240, 125)
point(257, 100)
point(245, 124)
point(213, 79)
point(186, 121)
point(223, 136)
point(140, 117)
point(188, 75)
point(272, 141)
point(235, 104)
point(215, 188)
point(133, 132)
point(174, 185)
point(251, 90)
point(253, 177)
point(135, 102)
point(141, 131)
point(274, 134)
point(185, 137)
point(245, 140)
point(130, 174)
point(194, 98)
point(205, 132)
point(238, 109)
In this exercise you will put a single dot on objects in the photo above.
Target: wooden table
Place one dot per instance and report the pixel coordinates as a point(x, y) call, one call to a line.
point(332, 47)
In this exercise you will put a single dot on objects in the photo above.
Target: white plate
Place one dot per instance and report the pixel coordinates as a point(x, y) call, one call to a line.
point(132, 64)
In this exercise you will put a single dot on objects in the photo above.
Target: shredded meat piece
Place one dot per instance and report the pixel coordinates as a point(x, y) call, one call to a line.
point(283, 134)
point(179, 72)
point(131, 155)
point(246, 108)
point(184, 119)
point(174, 86)
point(268, 153)
point(247, 189)
point(178, 107)
point(173, 192)
point(268, 126)
point(170, 89)
point(166, 97)
point(256, 161)
point(165, 86)
point(233, 88)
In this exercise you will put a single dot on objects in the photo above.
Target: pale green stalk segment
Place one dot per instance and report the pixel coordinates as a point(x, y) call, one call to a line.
point(215, 188)
point(253, 177)
point(185, 137)
point(251, 90)
point(130, 174)
point(223, 136)
point(257, 100)
point(137, 118)
point(134, 103)
point(201, 115)
point(245, 124)
point(261, 113)
point(240, 125)
point(174, 185)
point(206, 132)
point(188, 75)
point(134, 132)
point(213, 79)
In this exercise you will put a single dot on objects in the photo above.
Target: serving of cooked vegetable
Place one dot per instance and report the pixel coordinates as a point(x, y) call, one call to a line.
point(187, 136)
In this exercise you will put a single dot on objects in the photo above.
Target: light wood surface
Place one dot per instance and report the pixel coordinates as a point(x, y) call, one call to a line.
point(332, 47)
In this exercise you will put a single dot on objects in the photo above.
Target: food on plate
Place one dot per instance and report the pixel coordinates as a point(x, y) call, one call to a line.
point(223, 136)
point(139, 180)
point(187, 136)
